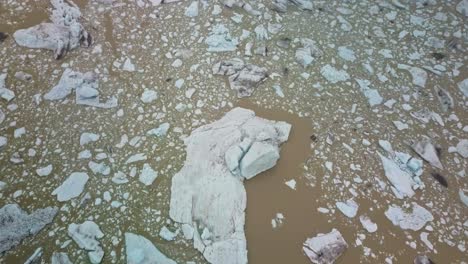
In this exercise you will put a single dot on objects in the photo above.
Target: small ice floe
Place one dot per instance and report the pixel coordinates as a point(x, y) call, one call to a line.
point(425, 115)
point(167, 234)
point(148, 96)
point(372, 95)
point(413, 218)
point(22, 76)
point(291, 184)
point(277, 221)
point(427, 151)
point(192, 9)
point(462, 86)
point(86, 235)
point(147, 175)
point(5, 93)
point(3, 142)
point(140, 250)
point(282, 5)
point(418, 75)
point(400, 125)
point(85, 87)
point(402, 170)
point(87, 137)
point(367, 223)
point(445, 100)
point(348, 208)
point(220, 40)
point(334, 75)
point(60, 258)
point(35, 258)
point(72, 187)
point(325, 248)
point(422, 260)
point(99, 168)
point(463, 197)
point(62, 35)
point(278, 90)
point(241, 4)
point(346, 54)
point(136, 157)
point(462, 148)
point(160, 131)
point(44, 171)
point(462, 7)
point(2, 116)
point(308, 52)
point(243, 78)
point(119, 178)
point(16, 224)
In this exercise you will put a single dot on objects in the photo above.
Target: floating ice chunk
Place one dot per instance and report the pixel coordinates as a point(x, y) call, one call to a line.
point(86, 235)
point(16, 224)
point(205, 192)
point(414, 219)
point(5, 93)
point(346, 53)
point(140, 250)
point(445, 100)
point(419, 75)
point(72, 187)
point(426, 241)
point(400, 125)
point(243, 78)
point(192, 9)
point(35, 258)
point(128, 66)
point(62, 35)
point(462, 86)
point(260, 157)
point(136, 158)
point(60, 258)
point(119, 178)
point(333, 75)
point(160, 131)
point(86, 87)
point(349, 208)
point(86, 138)
point(291, 184)
point(220, 40)
point(325, 248)
point(399, 178)
point(167, 234)
point(261, 33)
point(149, 96)
point(372, 95)
point(463, 197)
point(278, 90)
point(462, 7)
point(99, 168)
point(427, 151)
point(277, 221)
point(462, 148)
point(147, 175)
point(367, 223)
point(19, 132)
point(2, 116)
point(44, 171)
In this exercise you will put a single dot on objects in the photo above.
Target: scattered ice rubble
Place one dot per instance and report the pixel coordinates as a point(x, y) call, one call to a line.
point(325, 248)
point(86, 235)
point(5, 93)
point(402, 170)
point(207, 194)
point(85, 86)
point(243, 78)
point(16, 224)
point(62, 35)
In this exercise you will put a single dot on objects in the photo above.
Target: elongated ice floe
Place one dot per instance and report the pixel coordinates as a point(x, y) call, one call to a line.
point(208, 196)
point(72, 187)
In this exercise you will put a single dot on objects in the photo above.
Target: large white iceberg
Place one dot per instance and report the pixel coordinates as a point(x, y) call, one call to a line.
point(208, 196)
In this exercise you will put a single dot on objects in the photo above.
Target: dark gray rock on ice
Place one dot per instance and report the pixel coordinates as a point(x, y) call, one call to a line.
point(3, 36)
point(16, 224)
